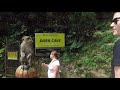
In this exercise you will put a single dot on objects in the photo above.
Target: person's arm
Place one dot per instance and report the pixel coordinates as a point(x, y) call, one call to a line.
point(56, 71)
point(117, 71)
point(45, 65)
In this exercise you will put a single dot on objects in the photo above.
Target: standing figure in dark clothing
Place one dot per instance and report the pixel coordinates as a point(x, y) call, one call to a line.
point(116, 49)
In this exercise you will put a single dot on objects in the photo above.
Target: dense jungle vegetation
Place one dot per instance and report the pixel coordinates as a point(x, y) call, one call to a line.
point(88, 38)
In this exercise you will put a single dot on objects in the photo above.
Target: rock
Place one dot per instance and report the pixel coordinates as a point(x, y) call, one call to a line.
point(1, 75)
point(83, 75)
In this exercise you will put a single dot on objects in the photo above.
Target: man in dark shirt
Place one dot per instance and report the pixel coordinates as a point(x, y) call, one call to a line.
point(116, 49)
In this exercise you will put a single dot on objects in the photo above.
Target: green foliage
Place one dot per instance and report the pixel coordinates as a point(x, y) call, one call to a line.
point(67, 57)
point(103, 25)
point(94, 55)
point(2, 58)
point(77, 26)
point(75, 46)
point(81, 28)
point(90, 49)
point(98, 52)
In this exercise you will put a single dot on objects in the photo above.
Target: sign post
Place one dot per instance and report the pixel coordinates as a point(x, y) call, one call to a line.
point(12, 58)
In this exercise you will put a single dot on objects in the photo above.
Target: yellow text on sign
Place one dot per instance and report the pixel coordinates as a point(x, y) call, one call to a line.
point(44, 40)
point(12, 55)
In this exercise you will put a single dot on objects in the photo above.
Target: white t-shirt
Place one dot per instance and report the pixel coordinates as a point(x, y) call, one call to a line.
point(51, 70)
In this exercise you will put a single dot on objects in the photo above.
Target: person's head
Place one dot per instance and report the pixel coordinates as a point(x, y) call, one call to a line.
point(116, 24)
point(54, 54)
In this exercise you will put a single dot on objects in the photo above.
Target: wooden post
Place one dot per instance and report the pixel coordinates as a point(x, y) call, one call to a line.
point(5, 54)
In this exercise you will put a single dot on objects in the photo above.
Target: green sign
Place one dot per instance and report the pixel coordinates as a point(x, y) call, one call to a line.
point(12, 55)
point(49, 40)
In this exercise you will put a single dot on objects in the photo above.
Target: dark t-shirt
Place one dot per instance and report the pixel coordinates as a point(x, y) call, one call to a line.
point(116, 56)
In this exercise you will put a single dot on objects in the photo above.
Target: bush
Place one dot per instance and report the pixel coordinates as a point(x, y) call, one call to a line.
point(82, 26)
